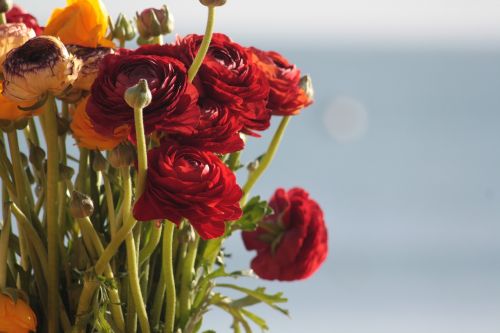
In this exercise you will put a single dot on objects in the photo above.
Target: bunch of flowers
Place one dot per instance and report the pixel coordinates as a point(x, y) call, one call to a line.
point(132, 241)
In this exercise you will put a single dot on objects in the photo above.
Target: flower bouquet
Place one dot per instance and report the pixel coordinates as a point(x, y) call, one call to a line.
point(118, 166)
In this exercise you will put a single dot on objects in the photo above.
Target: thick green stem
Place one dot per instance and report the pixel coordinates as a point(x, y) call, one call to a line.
point(81, 178)
point(4, 238)
point(205, 44)
point(108, 192)
point(150, 247)
point(168, 276)
point(187, 281)
point(142, 152)
point(266, 160)
point(51, 139)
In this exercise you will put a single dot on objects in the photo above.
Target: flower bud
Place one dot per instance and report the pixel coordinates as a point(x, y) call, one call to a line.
point(138, 96)
point(21, 123)
point(99, 163)
point(42, 65)
point(91, 59)
point(36, 157)
point(213, 3)
point(62, 126)
point(123, 29)
point(5, 6)
point(65, 172)
point(13, 35)
point(154, 22)
point(81, 206)
point(122, 155)
point(307, 85)
point(252, 166)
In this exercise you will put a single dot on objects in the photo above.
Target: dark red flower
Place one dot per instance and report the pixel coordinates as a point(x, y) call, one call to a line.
point(184, 182)
point(17, 15)
point(173, 108)
point(286, 97)
point(291, 243)
point(218, 130)
point(228, 76)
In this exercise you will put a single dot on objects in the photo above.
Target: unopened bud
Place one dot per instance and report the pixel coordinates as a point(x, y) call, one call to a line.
point(138, 96)
point(252, 166)
point(213, 3)
point(5, 6)
point(122, 155)
point(99, 163)
point(29, 174)
point(307, 85)
point(65, 172)
point(154, 22)
point(81, 206)
point(62, 126)
point(123, 29)
point(36, 157)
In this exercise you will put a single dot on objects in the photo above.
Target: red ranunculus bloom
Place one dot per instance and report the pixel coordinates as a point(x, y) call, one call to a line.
point(218, 130)
point(184, 182)
point(17, 15)
point(291, 243)
point(173, 108)
point(230, 76)
point(286, 98)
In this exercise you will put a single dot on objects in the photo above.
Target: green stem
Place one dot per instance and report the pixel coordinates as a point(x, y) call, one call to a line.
point(149, 248)
point(266, 160)
point(108, 192)
point(4, 238)
point(142, 152)
point(159, 296)
point(168, 276)
point(187, 280)
point(157, 40)
point(82, 170)
point(205, 44)
point(3, 18)
point(51, 209)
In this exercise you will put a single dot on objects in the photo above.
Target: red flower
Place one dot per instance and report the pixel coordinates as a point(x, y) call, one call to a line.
point(218, 130)
point(286, 98)
point(173, 108)
point(228, 76)
point(184, 182)
point(17, 15)
point(291, 243)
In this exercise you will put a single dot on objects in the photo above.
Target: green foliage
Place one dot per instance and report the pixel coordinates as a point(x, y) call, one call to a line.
point(253, 212)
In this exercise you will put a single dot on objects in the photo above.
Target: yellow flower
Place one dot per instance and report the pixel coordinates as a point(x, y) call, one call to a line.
point(13, 35)
point(86, 136)
point(81, 22)
point(16, 317)
point(41, 65)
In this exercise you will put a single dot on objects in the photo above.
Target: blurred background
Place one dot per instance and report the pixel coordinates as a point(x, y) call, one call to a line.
point(401, 149)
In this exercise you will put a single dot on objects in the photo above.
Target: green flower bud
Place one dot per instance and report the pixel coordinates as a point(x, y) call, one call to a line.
point(307, 85)
point(154, 22)
point(138, 96)
point(81, 206)
point(124, 28)
point(5, 6)
point(122, 155)
point(213, 3)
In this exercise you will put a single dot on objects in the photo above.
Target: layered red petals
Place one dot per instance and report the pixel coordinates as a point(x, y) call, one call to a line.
point(229, 76)
point(286, 97)
point(292, 243)
point(173, 108)
point(184, 182)
point(218, 130)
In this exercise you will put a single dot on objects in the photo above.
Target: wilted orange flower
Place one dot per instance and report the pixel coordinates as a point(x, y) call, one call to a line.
point(81, 22)
point(9, 110)
point(13, 35)
point(87, 137)
point(16, 317)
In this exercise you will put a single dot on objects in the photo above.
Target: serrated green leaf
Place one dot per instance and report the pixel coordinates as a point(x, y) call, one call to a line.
point(256, 319)
point(253, 212)
point(260, 294)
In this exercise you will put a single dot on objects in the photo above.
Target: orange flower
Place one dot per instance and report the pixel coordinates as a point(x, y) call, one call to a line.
point(81, 22)
point(10, 111)
point(87, 137)
point(16, 317)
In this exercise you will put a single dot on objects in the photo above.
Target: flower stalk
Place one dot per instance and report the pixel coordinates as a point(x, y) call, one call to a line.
point(204, 46)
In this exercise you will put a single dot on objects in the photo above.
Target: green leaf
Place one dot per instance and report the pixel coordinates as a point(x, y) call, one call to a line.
point(260, 294)
point(256, 319)
point(253, 212)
